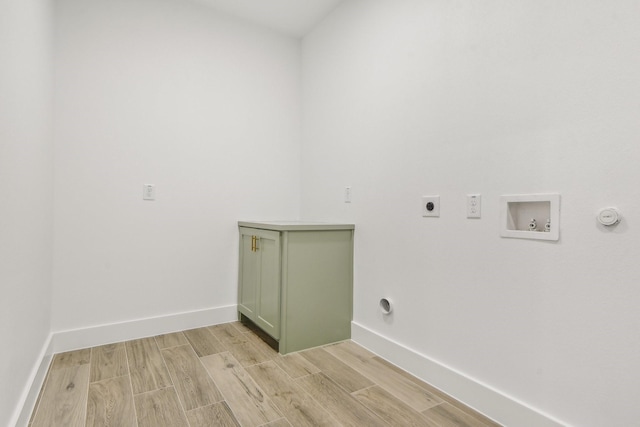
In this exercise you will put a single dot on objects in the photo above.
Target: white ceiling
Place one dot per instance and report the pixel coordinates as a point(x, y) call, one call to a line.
point(291, 17)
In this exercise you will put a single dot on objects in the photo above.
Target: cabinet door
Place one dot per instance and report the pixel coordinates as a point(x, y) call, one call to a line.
point(248, 275)
point(259, 278)
point(268, 298)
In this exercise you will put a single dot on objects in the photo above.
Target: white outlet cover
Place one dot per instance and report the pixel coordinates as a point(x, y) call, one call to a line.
point(474, 206)
point(148, 192)
point(347, 194)
point(435, 211)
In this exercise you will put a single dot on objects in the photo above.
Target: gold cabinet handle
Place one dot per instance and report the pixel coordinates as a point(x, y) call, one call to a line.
point(253, 243)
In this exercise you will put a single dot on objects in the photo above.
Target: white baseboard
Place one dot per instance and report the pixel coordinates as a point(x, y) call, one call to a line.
point(30, 393)
point(74, 339)
point(122, 331)
point(481, 397)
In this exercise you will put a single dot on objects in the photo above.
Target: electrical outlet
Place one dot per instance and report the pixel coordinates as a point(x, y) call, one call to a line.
point(347, 194)
point(431, 206)
point(473, 205)
point(148, 192)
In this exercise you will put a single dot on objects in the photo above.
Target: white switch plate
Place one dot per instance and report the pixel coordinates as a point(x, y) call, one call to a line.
point(474, 203)
point(347, 194)
point(431, 206)
point(148, 192)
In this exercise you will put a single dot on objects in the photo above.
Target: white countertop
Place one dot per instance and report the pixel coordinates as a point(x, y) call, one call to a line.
point(295, 225)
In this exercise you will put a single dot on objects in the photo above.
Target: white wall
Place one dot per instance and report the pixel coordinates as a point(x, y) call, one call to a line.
point(26, 164)
point(412, 98)
point(401, 99)
point(171, 93)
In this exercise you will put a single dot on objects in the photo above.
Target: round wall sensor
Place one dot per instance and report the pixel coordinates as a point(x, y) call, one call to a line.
point(609, 216)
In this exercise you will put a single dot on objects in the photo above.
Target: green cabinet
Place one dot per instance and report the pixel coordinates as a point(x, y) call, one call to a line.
point(296, 281)
point(259, 297)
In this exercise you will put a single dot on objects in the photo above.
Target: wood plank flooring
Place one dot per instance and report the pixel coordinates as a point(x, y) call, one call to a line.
point(224, 375)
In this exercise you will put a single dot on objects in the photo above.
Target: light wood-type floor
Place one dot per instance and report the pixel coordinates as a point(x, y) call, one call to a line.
point(225, 375)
